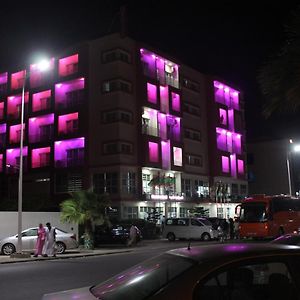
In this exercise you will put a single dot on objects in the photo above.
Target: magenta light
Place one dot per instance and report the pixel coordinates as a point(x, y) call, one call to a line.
point(238, 136)
point(151, 93)
point(229, 133)
point(141, 50)
point(153, 56)
point(2, 128)
point(240, 166)
point(3, 78)
point(58, 85)
point(233, 165)
point(68, 65)
point(63, 121)
point(36, 155)
point(153, 152)
point(225, 164)
point(226, 89)
point(175, 102)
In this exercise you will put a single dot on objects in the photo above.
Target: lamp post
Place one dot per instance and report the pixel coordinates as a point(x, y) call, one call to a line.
point(295, 148)
point(41, 66)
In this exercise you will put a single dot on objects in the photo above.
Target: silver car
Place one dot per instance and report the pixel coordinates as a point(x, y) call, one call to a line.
point(64, 240)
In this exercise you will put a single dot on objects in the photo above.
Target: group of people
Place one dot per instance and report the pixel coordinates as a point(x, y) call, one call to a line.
point(228, 230)
point(46, 238)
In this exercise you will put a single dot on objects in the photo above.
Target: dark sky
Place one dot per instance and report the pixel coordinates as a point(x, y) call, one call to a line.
point(230, 39)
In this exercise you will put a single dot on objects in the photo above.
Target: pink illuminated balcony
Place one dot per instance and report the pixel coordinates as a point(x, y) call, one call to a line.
point(41, 128)
point(68, 65)
point(226, 95)
point(15, 133)
point(240, 164)
point(17, 80)
point(1, 110)
point(69, 94)
point(3, 82)
point(41, 101)
point(153, 149)
point(225, 164)
point(1, 163)
point(175, 102)
point(68, 124)
point(69, 153)
point(2, 135)
point(40, 157)
point(13, 159)
point(151, 93)
point(39, 77)
point(14, 106)
point(154, 66)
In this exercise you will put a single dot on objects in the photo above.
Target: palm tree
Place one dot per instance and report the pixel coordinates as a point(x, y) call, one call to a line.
point(279, 78)
point(86, 208)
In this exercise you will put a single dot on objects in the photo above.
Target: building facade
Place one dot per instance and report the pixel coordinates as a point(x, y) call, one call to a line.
point(115, 116)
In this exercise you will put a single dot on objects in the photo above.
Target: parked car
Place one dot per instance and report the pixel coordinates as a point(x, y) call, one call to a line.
point(220, 271)
point(114, 234)
point(288, 239)
point(64, 240)
point(188, 228)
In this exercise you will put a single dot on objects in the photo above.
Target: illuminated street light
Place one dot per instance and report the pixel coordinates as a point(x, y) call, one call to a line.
point(294, 148)
point(41, 66)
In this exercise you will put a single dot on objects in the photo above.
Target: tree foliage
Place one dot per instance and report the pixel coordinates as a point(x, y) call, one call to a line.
point(279, 78)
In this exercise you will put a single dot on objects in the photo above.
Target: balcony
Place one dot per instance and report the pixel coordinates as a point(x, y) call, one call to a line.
point(13, 160)
point(2, 140)
point(14, 106)
point(41, 128)
point(40, 157)
point(149, 130)
point(68, 65)
point(41, 137)
point(69, 163)
point(69, 94)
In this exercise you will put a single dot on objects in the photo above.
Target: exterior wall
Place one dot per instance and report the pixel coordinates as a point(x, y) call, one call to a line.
point(9, 222)
point(267, 167)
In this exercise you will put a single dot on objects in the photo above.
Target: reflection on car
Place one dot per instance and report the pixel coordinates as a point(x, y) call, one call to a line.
point(288, 239)
point(214, 272)
point(64, 240)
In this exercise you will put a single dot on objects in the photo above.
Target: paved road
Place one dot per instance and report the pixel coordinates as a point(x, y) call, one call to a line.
point(30, 280)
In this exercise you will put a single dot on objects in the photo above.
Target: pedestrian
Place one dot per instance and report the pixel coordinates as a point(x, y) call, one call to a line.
point(49, 246)
point(133, 232)
point(236, 228)
point(41, 235)
point(231, 229)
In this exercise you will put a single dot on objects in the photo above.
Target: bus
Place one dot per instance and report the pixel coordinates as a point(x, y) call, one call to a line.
point(262, 216)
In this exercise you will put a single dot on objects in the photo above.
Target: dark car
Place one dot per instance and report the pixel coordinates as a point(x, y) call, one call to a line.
point(214, 272)
point(113, 234)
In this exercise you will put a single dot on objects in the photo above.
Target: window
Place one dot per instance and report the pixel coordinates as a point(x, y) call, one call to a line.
point(117, 116)
point(129, 183)
point(116, 55)
point(191, 109)
point(106, 183)
point(194, 160)
point(116, 85)
point(191, 85)
point(234, 189)
point(146, 179)
point(266, 280)
point(72, 125)
point(44, 159)
point(172, 212)
point(74, 98)
point(192, 134)
point(131, 212)
point(118, 147)
point(201, 188)
point(70, 182)
point(243, 188)
point(183, 212)
point(45, 132)
point(75, 157)
point(186, 187)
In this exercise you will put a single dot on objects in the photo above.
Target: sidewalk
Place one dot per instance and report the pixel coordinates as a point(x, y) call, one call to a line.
point(105, 250)
point(68, 254)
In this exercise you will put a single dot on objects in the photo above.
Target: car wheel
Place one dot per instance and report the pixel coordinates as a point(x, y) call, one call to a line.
point(205, 236)
point(8, 249)
point(60, 247)
point(171, 237)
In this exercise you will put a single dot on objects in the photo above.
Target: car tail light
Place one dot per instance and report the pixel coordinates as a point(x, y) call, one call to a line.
point(266, 226)
point(73, 236)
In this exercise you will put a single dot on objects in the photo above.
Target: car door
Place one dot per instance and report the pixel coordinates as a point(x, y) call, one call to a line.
point(196, 229)
point(251, 279)
point(29, 238)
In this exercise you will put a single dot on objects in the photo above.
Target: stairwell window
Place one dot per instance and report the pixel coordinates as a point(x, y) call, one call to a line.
point(116, 85)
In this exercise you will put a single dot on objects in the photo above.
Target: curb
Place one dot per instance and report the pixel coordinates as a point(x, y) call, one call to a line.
point(62, 256)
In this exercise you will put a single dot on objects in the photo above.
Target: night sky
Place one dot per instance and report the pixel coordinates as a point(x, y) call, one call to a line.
point(230, 39)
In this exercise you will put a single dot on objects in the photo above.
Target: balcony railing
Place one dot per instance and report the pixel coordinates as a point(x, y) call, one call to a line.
point(69, 163)
point(149, 130)
point(38, 138)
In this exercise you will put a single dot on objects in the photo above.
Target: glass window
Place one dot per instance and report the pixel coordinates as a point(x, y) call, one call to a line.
point(257, 281)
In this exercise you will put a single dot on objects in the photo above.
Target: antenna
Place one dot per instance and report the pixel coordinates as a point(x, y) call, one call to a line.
point(189, 245)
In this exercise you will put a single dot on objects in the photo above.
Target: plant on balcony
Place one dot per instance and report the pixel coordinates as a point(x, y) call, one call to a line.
point(88, 209)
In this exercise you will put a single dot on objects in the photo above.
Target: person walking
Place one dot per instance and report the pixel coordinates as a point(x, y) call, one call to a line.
point(231, 229)
point(41, 235)
point(133, 232)
point(49, 246)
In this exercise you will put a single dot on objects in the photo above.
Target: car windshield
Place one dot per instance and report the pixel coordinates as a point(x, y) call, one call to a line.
point(253, 212)
point(144, 279)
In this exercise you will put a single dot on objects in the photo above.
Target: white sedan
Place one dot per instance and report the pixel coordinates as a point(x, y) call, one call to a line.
point(64, 240)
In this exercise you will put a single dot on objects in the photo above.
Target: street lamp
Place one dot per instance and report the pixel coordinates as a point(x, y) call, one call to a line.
point(295, 148)
point(42, 66)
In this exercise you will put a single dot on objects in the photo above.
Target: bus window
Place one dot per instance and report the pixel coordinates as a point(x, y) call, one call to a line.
point(253, 212)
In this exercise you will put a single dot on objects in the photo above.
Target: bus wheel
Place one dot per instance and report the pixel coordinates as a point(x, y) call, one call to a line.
point(171, 236)
point(281, 231)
